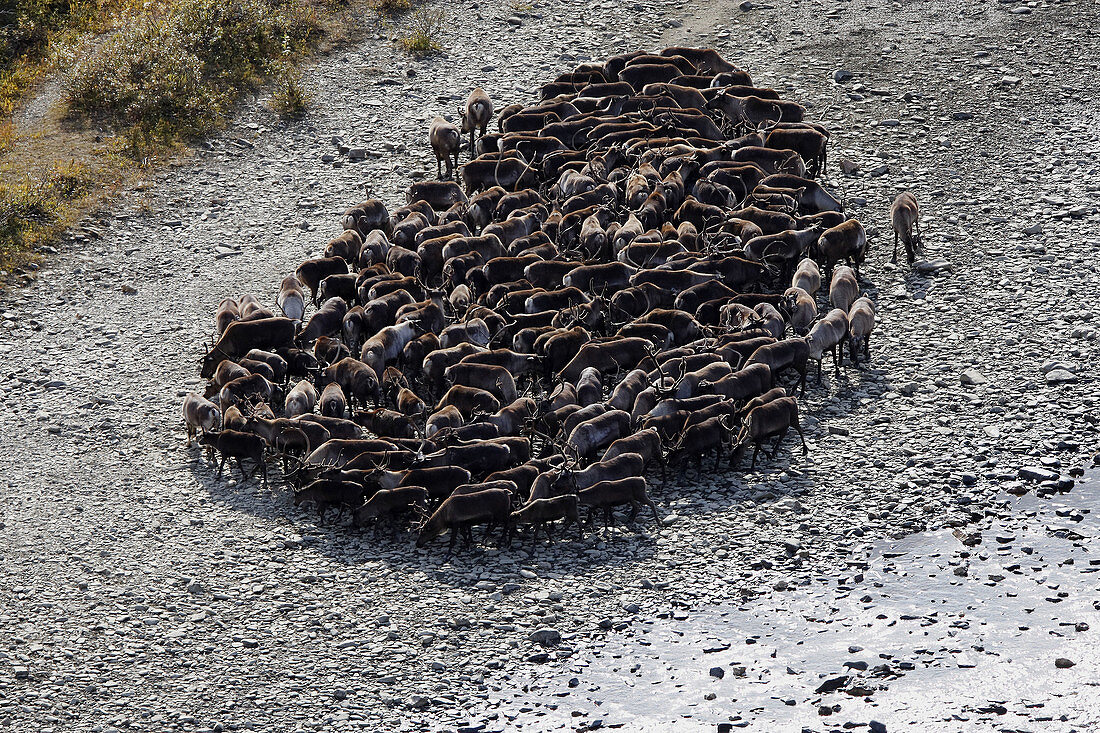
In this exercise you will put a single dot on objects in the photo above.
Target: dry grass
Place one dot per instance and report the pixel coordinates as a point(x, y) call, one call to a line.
point(390, 7)
point(34, 211)
point(137, 79)
point(27, 30)
point(424, 31)
point(290, 99)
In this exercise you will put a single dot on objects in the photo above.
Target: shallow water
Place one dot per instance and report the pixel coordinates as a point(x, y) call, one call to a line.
point(973, 652)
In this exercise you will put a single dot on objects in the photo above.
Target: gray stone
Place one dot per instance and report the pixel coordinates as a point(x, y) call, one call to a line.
point(972, 377)
point(932, 267)
point(545, 636)
point(1036, 473)
point(1060, 376)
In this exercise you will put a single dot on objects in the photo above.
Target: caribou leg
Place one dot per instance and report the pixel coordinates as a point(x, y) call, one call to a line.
point(778, 442)
point(653, 506)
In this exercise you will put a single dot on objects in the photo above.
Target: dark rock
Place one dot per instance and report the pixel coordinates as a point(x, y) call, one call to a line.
point(546, 637)
point(832, 685)
point(1037, 473)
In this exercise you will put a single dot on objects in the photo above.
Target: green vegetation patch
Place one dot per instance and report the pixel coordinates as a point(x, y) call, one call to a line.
point(36, 209)
point(173, 71)
point(27, 28)
point(424, 33)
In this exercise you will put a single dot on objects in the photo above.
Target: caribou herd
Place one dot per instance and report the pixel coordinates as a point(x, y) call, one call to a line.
point(632, 274)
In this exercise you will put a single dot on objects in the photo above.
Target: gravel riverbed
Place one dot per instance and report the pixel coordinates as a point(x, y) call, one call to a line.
point(140, 593)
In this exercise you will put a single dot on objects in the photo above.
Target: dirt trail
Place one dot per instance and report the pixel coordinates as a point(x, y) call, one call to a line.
point(141, 593)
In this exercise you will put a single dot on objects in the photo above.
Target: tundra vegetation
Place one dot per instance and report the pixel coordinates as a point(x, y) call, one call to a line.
point(134, 81)
point(628, 276)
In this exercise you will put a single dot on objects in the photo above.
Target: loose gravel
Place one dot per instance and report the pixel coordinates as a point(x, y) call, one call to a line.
point(142, 594)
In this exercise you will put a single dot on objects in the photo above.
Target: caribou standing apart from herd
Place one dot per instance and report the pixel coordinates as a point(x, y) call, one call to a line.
point(628, 273)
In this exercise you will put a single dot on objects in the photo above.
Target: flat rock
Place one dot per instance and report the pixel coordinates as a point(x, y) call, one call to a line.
point(932, 267)
point(972, 377)
point(1060, 376)
point(1036, 473)
point(545, 636)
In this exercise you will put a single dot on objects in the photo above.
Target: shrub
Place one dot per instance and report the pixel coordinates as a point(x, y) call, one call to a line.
point(390, 7)
point(290, 98)
point(424, 30)
point(26, 29)
point(175, 70)
point(33, 209)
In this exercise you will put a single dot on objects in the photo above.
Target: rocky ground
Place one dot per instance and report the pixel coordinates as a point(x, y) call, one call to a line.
point(933, 635)
point(141, 593)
